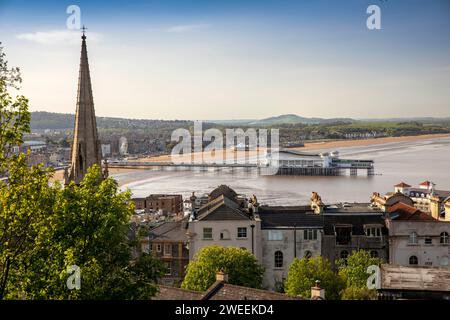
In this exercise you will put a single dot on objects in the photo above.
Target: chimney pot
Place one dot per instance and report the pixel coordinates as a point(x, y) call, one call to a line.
point(222, 276)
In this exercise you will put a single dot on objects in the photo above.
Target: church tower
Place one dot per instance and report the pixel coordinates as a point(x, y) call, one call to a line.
point(86, 149)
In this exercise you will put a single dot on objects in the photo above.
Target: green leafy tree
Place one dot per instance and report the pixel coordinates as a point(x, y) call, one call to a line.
point(26, 203)
point(303, 274)
point(91, 231)
point(14, 114)
point(354, 293)
point(45, 228)
point(353, 271)
point(241, 266)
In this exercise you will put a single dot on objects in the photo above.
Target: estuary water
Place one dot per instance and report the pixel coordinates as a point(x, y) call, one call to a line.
point(411, 162)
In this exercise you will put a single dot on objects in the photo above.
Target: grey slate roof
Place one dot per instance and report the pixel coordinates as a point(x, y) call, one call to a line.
point(222, 208)
point(355, 214)
point(169, 231)
point(288, 217)
point(220, 290)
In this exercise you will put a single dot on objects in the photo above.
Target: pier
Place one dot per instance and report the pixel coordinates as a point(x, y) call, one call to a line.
point(336, 168)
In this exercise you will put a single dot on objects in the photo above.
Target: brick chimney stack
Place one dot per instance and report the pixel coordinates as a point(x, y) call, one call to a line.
point(317, 293)
point(222, 276)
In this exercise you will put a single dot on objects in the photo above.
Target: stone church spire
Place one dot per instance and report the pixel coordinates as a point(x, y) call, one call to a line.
point(86, 149)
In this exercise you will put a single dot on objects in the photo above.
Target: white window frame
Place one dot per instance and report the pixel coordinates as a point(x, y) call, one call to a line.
point(373, 232)
point(208, 238)
point(276, 257)
point(167, 252)
point(413, 238)
point(239, 230)
point(444, 238)
point(310, 234)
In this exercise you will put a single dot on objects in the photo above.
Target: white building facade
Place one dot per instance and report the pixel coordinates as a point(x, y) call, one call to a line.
point(417, 239)
point(287, 233)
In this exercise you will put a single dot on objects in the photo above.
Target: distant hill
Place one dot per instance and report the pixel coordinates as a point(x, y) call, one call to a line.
point(295, 119)
point(50, 120)
point(41, 120)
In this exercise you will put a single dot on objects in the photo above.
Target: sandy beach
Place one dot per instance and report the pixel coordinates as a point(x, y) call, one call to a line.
point(310, 146)
point(367, 142)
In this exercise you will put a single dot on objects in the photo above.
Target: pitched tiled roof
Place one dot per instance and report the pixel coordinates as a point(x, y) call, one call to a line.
point(172, 293)
point(171, 231)
point(402, 185)
point(220, 290)
point(401, 211)
point(224, 291)
point(425, 183)
point(222, 208)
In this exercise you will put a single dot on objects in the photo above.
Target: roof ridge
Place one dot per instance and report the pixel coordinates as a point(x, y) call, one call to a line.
point(180, 289)
point(212, 290)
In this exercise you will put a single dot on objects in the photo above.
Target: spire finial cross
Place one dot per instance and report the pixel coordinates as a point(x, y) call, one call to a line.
point(83, 29)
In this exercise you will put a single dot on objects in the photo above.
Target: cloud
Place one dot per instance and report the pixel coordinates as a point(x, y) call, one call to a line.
point(56, 37)
point(186, 28)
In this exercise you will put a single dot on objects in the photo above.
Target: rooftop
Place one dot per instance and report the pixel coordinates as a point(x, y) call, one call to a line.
point(222, 208)
point(440, 193)
point(415, 278)
point(278, 217)
point(402, 211)
point(352, 208)
point(223, 190)
point(170, 231)
point(357, 222)
point(220, 290)
point(402, 185)
point(425, 183)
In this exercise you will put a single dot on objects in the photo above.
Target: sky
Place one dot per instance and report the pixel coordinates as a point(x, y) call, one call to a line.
point(235, 59)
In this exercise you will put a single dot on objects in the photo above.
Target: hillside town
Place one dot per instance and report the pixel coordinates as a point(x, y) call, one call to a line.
point(94, 215)
point(408, 229)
